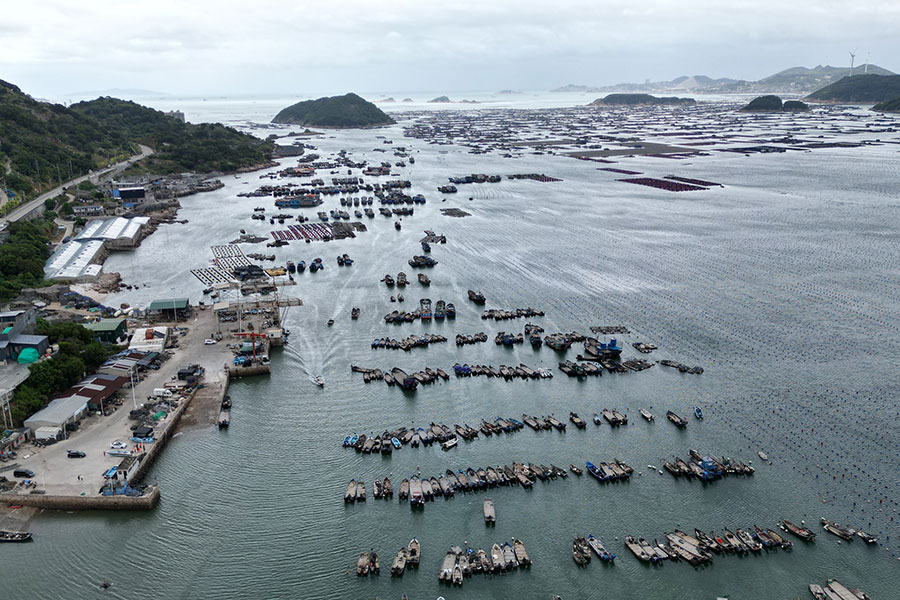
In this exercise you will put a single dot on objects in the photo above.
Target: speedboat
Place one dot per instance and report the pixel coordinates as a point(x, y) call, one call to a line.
point(319, 380)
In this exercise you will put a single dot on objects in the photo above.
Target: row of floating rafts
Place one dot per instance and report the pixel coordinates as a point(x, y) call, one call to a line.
point(706, 468)
point(508, 339)
point(475, 338)
point(497, 314)
point(413, 341)
point(606, 472)
point(433, 433)
point(681, 367)
point(419, 489)
point(523, 371)
point(365, 201)
point(701, 547)
point(459, 563)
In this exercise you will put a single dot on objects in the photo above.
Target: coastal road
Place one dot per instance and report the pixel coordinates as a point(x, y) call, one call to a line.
point(21, 211)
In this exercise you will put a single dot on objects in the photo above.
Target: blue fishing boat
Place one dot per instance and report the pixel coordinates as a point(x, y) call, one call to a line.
point(698, 413)
point(439, 310)
point(353, 439)
point(599, 549)
point(346, 441)
point(395, 442)
point(595, 472)
point(301, 266)
point(426, 247)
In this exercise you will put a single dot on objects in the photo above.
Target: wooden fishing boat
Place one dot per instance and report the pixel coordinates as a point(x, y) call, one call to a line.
point(399, 563)
point(490, 515)
point(581, 552)
point(15, 536)
point(521, 554)
point(412, 553)
point(362, 564)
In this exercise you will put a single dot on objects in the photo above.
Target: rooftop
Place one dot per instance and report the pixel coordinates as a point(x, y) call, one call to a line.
point(105, 324)
point(169, 304)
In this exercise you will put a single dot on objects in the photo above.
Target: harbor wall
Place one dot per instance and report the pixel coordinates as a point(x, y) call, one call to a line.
point(146, 502)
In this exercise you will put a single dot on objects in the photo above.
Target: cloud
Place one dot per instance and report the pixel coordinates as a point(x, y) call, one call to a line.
point(272, 45)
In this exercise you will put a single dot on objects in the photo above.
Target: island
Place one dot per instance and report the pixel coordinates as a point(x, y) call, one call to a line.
point(770, 103)
point(795, 106)
point(640, 99)
point(861, 89)
point(891, 106)
point(439, 100)
point(347, 111)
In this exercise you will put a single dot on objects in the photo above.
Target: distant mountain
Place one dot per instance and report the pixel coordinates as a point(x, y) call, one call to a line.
point(859, 88)
point(796, 80)
point(348, 111)
point(639, 99)
point(891, 106)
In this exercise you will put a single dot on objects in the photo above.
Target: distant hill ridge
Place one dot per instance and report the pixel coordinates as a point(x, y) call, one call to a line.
point(639, 99)
point(793, 80)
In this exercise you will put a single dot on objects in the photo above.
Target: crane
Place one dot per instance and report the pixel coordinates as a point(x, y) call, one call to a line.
point(252, 335)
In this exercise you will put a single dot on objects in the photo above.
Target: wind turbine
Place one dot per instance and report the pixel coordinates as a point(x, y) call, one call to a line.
point(852, 58)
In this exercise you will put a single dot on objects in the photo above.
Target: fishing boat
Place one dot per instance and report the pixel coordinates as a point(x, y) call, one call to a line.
point(15, 536)
point(596, 419)
point(451, 310)
point(521, 554)
point(425, 309)
point(374, 566)
point(399, 563)
point(509, 555)
point(575, 470)
point(679, 422)
point(354, 313)
point(595, 472)
point(362, 564)
point(457, 578)
point(801, 532)
point(490, 516)
point(403, 380)
point(439, 310)
point(646, 414)
point(449, 562)
point(581, 552)
point(698, 412)
point(424, 279)
point(412, 553)
point(476, 297)
point(319, 380)
point(599, 549)
point(350, 494)
point(497, 558)
point(638, 550)
point(845, 533)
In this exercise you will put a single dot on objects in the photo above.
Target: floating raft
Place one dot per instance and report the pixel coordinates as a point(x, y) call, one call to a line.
point(664, 184)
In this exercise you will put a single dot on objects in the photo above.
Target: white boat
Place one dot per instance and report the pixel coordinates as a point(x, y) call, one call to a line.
point(763, 455)
point(319, 380)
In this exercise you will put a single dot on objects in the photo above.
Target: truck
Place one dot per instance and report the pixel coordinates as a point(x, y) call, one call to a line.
point(162, 393)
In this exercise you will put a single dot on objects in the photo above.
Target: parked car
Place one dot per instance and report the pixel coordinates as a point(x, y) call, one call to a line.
point(25, 473)
point(118, 445)
point(209, 341)
point(75, 454)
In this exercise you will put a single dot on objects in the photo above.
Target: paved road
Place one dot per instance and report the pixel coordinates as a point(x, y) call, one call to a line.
point(20, 211)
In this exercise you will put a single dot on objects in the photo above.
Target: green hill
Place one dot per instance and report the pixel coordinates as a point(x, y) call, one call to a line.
point(348, 110)
point(859, 88)
point(635, 99)
point(42, 144)
point(178, 146)
point(764, 104)
point(892, 106)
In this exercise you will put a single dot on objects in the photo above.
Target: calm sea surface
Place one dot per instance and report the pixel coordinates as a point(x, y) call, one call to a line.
point(782, 285)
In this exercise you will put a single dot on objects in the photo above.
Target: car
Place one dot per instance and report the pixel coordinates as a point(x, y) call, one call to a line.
point(75, 454)
point(209, 341)
point(119, 445)
point(26, 473)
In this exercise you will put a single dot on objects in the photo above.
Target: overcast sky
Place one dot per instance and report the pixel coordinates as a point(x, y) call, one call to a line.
point(54, 47)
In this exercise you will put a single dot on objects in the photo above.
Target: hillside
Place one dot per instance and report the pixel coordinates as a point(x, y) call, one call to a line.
point(891, 106)
point(639, 99)
point(42, 143)
point(178, 146)
point(859, 88)
point(348, 111)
